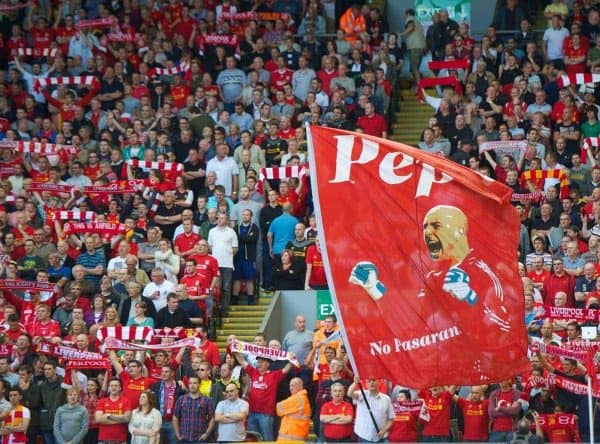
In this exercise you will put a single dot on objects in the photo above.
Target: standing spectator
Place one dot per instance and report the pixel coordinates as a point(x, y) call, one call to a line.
point(352, 22)
point(71, 420)
point(53, 396)
point(193, 418)
point(315, 271)
point(295, 413)
point(504, 408)
point(113, 414)
point(13, 428)
point(245, 259)
point(167, 391)
point(372, 123)
point(299, 340)
point(223, 242)
point(379, 406)
point(337, 416)
point(144, 425)
point(262, 396)
point(554, 38)
point(301, 79)
point(415, 43)
point(231, 81)
point(439, 404)
point(93, 262)
point(509, 16)
point(231, 414)
point(281, 231)
point(226, 169)
point(157, 290)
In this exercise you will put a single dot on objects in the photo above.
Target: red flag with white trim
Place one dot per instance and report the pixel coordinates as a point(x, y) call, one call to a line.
point(421, 260)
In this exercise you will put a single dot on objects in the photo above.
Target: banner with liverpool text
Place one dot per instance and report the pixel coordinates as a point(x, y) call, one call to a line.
point(420, 255)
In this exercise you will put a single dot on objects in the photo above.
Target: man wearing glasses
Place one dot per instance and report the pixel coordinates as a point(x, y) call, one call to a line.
point(134, 380)
point(230, 415)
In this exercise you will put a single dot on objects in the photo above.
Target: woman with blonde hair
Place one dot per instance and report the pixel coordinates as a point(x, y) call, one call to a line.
point(146, 420)
point(111, 317)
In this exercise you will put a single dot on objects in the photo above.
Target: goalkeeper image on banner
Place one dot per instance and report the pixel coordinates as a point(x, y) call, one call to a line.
point(461, 274)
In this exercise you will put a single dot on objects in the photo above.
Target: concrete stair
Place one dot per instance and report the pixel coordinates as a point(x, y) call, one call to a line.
point(411, 118)
point(243, 320)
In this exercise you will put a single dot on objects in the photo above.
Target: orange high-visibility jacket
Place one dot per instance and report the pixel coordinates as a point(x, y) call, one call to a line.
point(352, 25)
point(295, 417)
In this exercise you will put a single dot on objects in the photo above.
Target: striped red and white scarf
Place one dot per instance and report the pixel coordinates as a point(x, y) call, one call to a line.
point(75, 215)
point(161, 166)
point(43, 82)
point(581, 78)
point(125, 333)
point(123, 37)
point(38, 147)
point(167, 332)
point(286, 172)
point(179, 69)
point(37, 52)
point(95, 23)
point(591, 142)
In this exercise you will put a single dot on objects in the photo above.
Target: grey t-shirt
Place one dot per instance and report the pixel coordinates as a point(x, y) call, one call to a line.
point(233, 431)
point(231, 82)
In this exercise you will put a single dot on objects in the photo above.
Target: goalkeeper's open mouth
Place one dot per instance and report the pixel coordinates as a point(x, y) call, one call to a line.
point(434, 246)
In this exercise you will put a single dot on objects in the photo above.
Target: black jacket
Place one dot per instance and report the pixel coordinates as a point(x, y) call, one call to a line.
point(179, 318)
point(247, 242)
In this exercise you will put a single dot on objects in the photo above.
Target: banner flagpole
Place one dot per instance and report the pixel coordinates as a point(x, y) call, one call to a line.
point(590, 408)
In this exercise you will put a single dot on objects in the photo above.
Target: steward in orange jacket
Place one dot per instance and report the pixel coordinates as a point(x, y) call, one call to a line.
point(295, 414)
point(353, 23)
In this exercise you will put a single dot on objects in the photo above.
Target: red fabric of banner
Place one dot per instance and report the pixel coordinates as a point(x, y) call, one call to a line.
point(424, 286)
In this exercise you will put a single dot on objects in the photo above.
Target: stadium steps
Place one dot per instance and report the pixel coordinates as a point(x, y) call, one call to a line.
point(243, 320)
point(411, 118)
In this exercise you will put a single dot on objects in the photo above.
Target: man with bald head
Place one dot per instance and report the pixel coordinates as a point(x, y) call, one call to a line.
point(295, 413)
point(299, 340)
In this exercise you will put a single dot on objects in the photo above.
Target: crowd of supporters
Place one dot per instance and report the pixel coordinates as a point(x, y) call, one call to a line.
point(142, 196)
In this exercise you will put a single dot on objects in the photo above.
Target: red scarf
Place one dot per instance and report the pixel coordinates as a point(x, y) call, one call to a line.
point(438, 81)
point(449, 64)
point(169, 400)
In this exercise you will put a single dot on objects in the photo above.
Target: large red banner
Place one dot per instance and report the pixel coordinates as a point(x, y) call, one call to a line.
point(421, 257)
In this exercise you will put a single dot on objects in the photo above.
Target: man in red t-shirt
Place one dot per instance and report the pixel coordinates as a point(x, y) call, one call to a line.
point(43, 328)
point(372, 123)
point(475, 414)
point(207, 270)
point(132, 380)
point(185, 243)
point(113, 414)
point(560, 427)
point(194, 284)
point(504, 408)
point(439, 403)
point(337, 416)
point(315, 271)
point(263, 393)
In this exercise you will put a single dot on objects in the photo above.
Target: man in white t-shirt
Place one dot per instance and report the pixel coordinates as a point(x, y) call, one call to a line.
point(223, 243)
point(158, 289)
point(553, 42)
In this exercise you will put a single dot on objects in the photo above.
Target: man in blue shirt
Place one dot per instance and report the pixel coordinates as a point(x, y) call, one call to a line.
point(281, 231)
point(93, 262)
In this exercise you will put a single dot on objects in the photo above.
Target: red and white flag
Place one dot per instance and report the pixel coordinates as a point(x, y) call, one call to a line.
point(179, 69)
point(75, 215)
point(162, 166)
point(581, 78)
point(43, 82)
point(126, 333)
point(420, 256)
point(37, 52)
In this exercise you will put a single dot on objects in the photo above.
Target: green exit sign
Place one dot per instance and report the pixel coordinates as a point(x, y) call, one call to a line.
point(324, 305)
